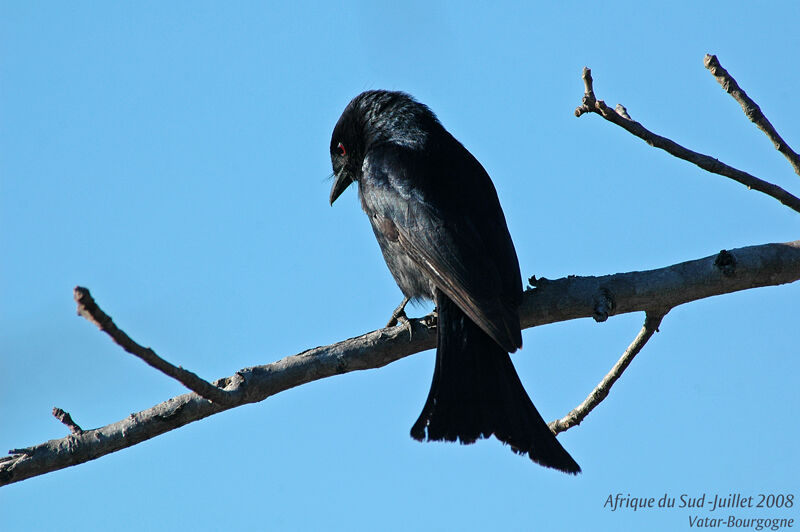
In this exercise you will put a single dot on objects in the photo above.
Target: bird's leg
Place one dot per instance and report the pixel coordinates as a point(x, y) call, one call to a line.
point(399, 314)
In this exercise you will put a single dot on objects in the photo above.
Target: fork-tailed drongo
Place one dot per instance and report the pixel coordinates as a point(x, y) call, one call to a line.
point(435, 213)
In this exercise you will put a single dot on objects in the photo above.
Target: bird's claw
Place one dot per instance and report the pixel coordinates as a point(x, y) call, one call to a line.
point(406, 323)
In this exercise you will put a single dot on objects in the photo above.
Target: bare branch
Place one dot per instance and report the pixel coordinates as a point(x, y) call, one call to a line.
point(550, 301)
point(729, 271)
point(66, 419)
point(249, 385)
point(88, 308)
point(591, 105)
point(600, 392)
point(751, 109)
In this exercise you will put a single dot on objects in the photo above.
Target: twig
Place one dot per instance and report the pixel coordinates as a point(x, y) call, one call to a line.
point(551, 301)
point(751, 109)
point(592, 105)
point(577, 414)
point(87, 307)
point(66, 419)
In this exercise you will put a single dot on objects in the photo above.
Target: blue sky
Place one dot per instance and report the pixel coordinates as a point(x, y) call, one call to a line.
point(174, 159)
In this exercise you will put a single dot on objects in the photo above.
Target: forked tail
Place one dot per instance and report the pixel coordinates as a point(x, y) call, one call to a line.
point(476, 393)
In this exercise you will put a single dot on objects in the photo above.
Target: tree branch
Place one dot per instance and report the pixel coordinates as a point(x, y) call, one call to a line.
point(550, 301)
point(601, 391)
point(664, 288)
point(592, 105)
point(751, 109)
point(88, 308)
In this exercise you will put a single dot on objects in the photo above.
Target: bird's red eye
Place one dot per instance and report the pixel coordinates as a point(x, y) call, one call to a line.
point(341, 149)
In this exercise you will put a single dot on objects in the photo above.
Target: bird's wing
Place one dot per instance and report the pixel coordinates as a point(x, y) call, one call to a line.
point(449, 222)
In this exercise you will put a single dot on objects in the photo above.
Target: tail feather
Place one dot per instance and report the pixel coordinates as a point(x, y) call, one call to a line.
point(476, 393)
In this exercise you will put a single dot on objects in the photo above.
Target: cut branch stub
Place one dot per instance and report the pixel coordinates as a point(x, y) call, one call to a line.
point(603, 304)
point(66, 419)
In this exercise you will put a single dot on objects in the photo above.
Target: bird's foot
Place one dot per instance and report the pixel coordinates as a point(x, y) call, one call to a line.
point(399, 316)
point(399, 313)
point(406, 323)
point(431, 319)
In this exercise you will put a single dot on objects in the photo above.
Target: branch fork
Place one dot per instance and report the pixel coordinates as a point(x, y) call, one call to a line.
point(620, 117)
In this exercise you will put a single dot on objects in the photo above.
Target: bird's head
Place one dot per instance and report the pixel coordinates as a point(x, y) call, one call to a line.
point(347, 150)
point(373, 118)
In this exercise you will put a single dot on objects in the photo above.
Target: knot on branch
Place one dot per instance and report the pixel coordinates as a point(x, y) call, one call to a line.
point(603, 305)
point(621, 111)
point(726, 263)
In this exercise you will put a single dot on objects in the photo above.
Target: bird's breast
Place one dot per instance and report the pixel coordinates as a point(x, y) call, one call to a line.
point(413, 282)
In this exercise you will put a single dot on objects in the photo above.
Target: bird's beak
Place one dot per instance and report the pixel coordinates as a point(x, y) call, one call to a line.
point(340, 182)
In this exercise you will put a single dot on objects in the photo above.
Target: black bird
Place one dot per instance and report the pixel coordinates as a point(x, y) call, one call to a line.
point(435, 213)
